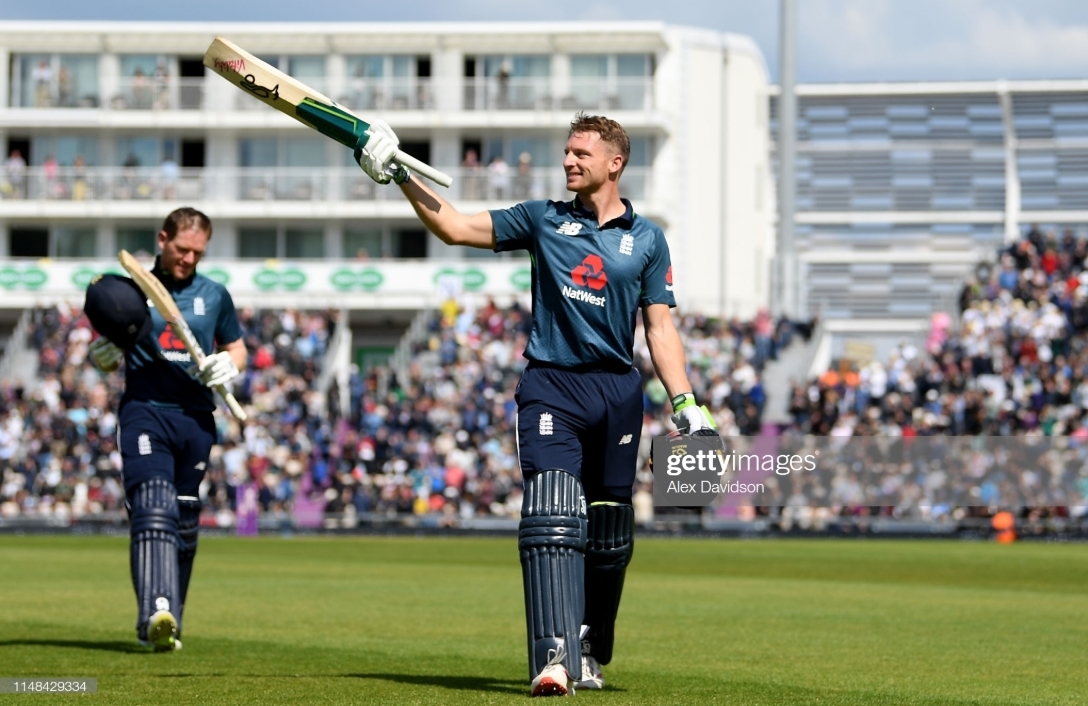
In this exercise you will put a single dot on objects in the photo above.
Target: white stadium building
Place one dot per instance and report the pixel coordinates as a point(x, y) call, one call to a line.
point(119, 123)
point(902, 189)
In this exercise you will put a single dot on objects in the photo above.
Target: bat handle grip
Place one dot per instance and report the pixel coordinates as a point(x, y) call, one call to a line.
point(232, 403)
point(422, 168)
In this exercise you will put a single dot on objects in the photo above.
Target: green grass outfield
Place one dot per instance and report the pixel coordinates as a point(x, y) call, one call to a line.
point(440, 621)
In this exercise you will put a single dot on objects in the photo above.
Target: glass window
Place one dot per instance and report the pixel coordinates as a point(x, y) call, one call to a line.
point(364, 244)
point(138, 65)
point(137, 151)
point(35, 81)
point(633, 65)
point(402, 66)
point(539, 150)
point(589, 75)
point(73, 242)
point(306, 67)
point(304, 152)
point(259, 152)
point(366, 66)
point(532, 66)
point(143, 82)
point(65, 149)
point(640, 152)
point(55, 80)
point(257, 243)
point(77, 81)
point(305, 243)
point(138, 239)
point(589, 65)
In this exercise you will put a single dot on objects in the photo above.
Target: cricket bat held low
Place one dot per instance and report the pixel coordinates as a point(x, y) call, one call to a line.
point(294, 98)
point(168, 309)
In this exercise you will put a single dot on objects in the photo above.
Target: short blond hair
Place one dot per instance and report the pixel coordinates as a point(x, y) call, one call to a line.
point(608, 130)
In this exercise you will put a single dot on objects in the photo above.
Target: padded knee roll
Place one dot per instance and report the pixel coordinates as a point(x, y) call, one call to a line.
point(188, 530)
point(153, 525)
point(552, 541)
point(609, 547)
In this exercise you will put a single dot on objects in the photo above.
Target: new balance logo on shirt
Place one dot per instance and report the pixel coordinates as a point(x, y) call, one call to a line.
point(569, 228)
point(626, 439)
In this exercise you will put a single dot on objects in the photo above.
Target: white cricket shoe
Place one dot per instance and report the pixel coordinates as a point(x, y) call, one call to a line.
point(592, 677)
point(552, 681)
point(162, 632)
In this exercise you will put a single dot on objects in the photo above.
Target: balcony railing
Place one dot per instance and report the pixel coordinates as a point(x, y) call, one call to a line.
point(55, 94)
point(323, 184)
point(635, 93)
point(387, 94)
point(152, 93)
point(508, 94)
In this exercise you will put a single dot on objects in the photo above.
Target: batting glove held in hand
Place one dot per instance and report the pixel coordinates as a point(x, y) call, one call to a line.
point(690, 419)
point(216, 370)
point(105, 355)
point(376, 156)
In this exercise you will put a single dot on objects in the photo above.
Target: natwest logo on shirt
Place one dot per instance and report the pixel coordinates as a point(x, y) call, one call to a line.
point(172, 347)
point(590, 273)
point(668, 280)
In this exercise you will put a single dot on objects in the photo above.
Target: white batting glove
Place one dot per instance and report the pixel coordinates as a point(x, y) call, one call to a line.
point(376, 156)
point(105, 354)
point(217, 369)
point(692, 419)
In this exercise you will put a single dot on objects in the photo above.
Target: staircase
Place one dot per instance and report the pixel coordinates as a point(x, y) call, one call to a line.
point(19, 364)
point(793, 365)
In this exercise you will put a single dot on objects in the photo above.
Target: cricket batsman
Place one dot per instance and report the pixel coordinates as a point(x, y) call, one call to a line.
point(166, 428)
point(595, 263)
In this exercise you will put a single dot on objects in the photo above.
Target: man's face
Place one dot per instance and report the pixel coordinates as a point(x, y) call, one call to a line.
point(181, 254)
point(589, 162)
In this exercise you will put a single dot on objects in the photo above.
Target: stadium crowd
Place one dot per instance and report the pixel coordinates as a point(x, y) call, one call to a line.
point(1017, 366)
point(439, 445)
point(58, 451)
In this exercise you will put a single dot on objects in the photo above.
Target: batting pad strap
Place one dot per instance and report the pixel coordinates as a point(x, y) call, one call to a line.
point(551, 532)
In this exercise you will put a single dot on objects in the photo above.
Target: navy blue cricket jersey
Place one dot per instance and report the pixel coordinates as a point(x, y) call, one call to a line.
point(588, 281)
point(156, 370)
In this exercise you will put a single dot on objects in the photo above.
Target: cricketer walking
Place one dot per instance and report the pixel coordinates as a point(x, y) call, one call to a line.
point(166, 428)
point(595, 263)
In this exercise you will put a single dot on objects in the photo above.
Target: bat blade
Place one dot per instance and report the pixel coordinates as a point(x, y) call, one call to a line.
point(292, 97)
point(168, 310)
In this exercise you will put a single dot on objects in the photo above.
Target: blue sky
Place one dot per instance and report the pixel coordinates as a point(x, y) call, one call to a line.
point(839, 40)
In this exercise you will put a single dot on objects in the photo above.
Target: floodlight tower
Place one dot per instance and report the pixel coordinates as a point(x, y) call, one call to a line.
point(789, 300)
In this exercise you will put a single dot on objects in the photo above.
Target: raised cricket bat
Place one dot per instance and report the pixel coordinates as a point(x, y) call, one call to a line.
point(168, 309)
point(292, 97)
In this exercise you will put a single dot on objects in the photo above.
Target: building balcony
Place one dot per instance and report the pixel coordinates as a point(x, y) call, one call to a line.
point(360, 94)
point(63, 190)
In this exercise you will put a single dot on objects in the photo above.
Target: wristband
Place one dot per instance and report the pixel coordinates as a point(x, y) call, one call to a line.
point(683, 401)
point(401, 175)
